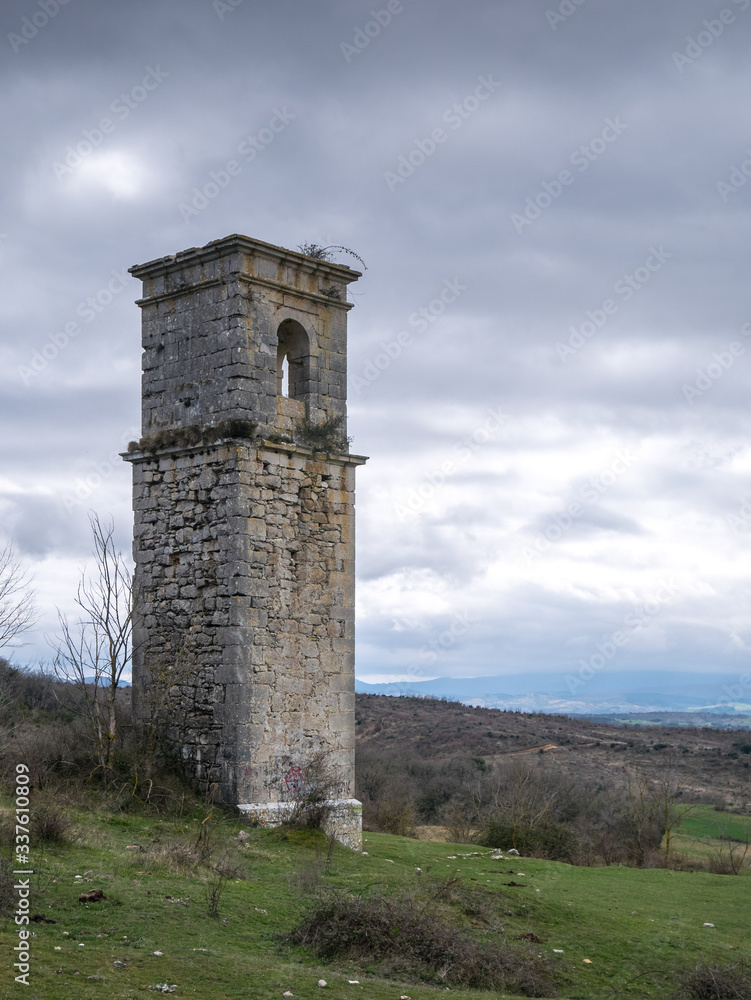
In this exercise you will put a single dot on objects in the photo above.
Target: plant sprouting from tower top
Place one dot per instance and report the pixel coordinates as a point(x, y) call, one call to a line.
point(318, 252)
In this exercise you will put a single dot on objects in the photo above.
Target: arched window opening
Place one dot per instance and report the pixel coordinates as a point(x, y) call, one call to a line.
point(285, 376)
point(292, 361)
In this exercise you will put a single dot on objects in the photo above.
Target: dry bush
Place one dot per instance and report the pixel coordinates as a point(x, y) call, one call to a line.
point(459, 822)
point(407, 939)
point(50, 825)
point(728, 856)
point(715, 982)
point(310, 806)
point(52, 751)
point(214, 889)
point(178, 857)
point(396, 814)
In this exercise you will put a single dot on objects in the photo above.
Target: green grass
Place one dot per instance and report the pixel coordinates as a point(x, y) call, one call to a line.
point(703, 834)
point(624, 921)
point(706, 821)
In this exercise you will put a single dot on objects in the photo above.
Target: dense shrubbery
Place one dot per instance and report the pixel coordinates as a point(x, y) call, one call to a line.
point(547, 840)
point(530, 806)
point(43, 724)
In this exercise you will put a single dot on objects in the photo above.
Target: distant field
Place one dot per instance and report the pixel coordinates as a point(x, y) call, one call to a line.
point(625, 921)
point(710, 720)
point(704, 832)
point(704, 821)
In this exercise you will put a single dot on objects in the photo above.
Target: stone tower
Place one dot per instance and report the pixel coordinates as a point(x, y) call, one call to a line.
point(243, 492)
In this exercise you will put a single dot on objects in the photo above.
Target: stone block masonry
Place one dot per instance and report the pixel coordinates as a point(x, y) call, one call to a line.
point(244, 536)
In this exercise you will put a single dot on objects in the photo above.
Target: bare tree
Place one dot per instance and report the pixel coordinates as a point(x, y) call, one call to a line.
point(93, 653)
point(17, 609)
point(668, 789)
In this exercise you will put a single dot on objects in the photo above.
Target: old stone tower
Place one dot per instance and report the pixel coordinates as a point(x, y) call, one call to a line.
point(243, 491)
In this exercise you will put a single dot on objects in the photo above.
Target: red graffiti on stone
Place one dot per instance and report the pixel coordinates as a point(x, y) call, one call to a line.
point(294, 779)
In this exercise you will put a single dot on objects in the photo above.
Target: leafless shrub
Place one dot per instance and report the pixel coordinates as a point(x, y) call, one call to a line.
point(50, 825)
point(396, 814)
point(320, 785)
point(728, 855)
point(405, 938)
point(459, 822)
point(214, 890)
point(715, 982)
point(53, 751)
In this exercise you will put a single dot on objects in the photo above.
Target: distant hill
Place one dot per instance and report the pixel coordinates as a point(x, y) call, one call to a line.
point(609, 692)
point(711, 762)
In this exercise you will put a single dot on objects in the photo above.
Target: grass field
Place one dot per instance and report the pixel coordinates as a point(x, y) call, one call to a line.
point(707, 833)
point(707, 822)
point(625, 921)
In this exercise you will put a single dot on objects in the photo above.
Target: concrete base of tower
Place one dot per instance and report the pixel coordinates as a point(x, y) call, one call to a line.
point(341, 818)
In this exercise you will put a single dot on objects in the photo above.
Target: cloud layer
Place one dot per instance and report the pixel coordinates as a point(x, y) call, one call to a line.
point(550, 354)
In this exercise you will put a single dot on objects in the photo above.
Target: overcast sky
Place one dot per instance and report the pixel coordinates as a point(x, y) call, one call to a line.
point(550, 352)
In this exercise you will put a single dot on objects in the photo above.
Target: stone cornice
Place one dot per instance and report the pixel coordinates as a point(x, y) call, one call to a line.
point(251, 279)
point(288, 447)
point(242, 244)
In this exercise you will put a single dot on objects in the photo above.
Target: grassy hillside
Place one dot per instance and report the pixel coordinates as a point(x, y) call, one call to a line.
point(624, 921)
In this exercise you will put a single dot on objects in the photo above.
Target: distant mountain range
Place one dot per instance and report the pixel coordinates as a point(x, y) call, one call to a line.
point(608, 692)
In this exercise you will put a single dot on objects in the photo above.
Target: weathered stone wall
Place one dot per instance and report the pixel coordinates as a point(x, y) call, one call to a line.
point(246, 611)
point(210, 333)
point(244, 548)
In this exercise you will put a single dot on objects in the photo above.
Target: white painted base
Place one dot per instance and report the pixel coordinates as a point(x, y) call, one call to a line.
point(343, 818)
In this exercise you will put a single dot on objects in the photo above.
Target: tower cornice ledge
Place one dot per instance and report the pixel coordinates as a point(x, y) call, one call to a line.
point(243, 244)
point(287, 447)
